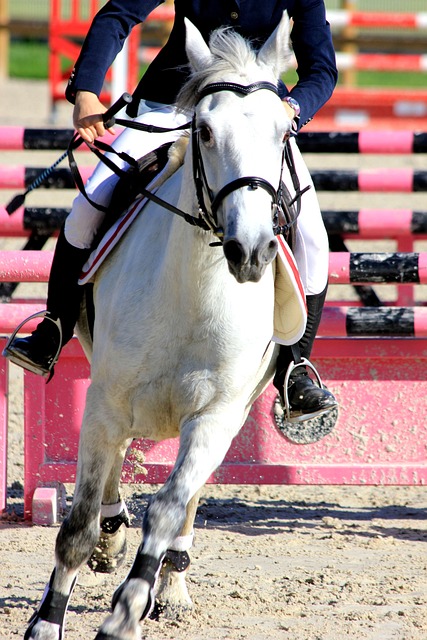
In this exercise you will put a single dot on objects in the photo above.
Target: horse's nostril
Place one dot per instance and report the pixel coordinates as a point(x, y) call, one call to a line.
point(269, 252)
point(233, 251)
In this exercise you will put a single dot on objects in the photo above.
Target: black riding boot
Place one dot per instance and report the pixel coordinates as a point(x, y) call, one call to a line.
point(38, 352)
point(306, 399)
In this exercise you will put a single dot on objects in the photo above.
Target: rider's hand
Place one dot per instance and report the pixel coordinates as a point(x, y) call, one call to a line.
point(87, 116)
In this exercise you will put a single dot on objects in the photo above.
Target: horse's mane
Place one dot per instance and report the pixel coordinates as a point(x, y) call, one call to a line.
point(230, 51)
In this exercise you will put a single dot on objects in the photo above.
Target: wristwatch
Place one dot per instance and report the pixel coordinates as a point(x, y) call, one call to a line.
point(294, 105)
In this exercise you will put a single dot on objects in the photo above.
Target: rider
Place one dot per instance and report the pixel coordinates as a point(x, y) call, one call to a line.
point(153, 102)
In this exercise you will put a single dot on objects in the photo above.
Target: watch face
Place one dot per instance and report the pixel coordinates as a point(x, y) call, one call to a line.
point(294, 104)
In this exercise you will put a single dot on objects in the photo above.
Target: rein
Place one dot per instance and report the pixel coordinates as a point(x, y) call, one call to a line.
point(207, 218)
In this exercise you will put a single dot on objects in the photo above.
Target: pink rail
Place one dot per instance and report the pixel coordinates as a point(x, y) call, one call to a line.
point(11, 225)
point(385, 142)
point(337, 321)
point(370, 142)
point(3, 428)
point(366, 268)
point(390, 180)
point(375, 19)
point(344, 268)
point(25, 266)
point(344, 321)
point(14, 138)
point(382, 61)
point(371, 223)
point(20, 177)
point(384, 223)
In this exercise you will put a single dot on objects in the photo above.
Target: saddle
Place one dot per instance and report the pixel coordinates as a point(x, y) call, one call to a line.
point(129, 186)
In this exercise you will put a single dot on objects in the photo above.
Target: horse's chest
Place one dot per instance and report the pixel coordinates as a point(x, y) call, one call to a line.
point(159, 408)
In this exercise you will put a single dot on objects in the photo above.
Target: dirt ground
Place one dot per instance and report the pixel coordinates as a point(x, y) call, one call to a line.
point(268, 563)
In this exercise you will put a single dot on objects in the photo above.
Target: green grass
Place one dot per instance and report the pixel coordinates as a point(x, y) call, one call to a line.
point(380, 79)
point(404, 79)
point(29, 59)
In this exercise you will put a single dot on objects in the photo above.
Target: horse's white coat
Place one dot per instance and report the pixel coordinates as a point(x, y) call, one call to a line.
point(180, 346)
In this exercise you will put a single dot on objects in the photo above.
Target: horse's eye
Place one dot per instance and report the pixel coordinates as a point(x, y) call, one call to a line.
point(205, 134)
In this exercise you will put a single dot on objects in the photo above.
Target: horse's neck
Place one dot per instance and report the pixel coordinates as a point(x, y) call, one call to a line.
point(182, 249)
point(201, 275)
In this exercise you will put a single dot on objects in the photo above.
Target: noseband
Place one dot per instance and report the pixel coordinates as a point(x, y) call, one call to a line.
point(199, 174)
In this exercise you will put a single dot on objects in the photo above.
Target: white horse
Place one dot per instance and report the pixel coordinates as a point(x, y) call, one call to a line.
point(182, 339)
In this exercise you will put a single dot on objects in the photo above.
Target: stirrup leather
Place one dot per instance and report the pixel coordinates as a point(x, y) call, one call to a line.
point(297, 416)
point(23, 362)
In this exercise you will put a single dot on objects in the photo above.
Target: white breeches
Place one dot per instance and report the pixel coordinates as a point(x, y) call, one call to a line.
point(81, 225)
point(312, 246)
point(84, 220)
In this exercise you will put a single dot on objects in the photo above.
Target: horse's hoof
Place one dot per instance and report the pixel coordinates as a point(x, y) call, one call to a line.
point(173, 601)
point(169, 611)
point(110, 552)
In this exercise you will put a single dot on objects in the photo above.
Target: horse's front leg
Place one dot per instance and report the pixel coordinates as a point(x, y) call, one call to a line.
point(110, 550)
point(172, 597)
point(76, 538)
point(204, 443)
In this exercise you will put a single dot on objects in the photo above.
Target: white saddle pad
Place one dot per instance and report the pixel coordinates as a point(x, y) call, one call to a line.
point(290, 310)
point(110, 240)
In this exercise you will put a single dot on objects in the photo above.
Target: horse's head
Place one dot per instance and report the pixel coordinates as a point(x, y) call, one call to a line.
point(239, 131)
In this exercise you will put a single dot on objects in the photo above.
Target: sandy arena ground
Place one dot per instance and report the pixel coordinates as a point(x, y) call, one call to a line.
point(269, 562)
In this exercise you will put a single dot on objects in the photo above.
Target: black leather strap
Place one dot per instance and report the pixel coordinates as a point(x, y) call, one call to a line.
point(179, 559)
point(112, 524)
point(241, 89)
point(249, 181)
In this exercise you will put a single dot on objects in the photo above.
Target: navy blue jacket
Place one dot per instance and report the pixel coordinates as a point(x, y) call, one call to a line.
point(254, 19)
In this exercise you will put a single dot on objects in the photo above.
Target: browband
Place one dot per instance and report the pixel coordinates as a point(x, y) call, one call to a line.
point(243, 90)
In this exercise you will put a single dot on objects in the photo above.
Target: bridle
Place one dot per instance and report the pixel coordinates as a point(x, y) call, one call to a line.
point(199, 174)
point(207, 218)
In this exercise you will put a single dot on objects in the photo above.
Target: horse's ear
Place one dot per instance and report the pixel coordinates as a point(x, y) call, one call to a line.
point(276, 52)
point(198, 53)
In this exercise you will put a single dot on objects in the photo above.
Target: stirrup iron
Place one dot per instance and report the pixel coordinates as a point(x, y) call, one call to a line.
point(48, 373)
point(291, 416)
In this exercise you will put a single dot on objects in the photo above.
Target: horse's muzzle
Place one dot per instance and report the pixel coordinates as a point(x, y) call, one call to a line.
point(248, 265)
